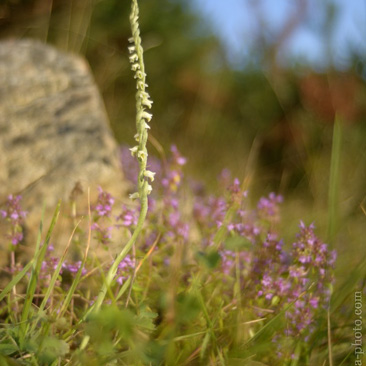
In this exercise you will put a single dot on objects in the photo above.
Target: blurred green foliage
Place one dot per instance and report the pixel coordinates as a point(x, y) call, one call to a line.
point(281, 117)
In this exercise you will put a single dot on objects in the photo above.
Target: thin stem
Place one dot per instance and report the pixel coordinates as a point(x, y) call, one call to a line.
point(113, 270)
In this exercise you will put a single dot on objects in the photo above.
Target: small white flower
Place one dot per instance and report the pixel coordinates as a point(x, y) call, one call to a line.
point(134, 196)
point(137, 137)
point(133, 58)
point(146, 115)
point(147, 103)
point(145, 99)
point(145, 125)
point(150, 175)
point(135, 67)
point(142, 155)
point(148, 189)
point(134, 150)
point(141, 85)
point(131, 40)
point(131, 49)
point(139, 75)
point(143, 95)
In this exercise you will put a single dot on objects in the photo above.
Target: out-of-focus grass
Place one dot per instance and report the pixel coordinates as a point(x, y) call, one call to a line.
point(216, 127)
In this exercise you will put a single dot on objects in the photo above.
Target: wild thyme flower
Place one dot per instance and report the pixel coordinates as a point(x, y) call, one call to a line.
point(104, 204)
point(103, 234)
point(177, 228)
point(50, 264)
point(316, 261)
point(209, 211)
point(224, 178)
point(237, 194)
point(15, 215)
point(125, 268)
point(127, 217)
point(102, 211)
point(177, 158)
point(73, 267)
point(268, 207)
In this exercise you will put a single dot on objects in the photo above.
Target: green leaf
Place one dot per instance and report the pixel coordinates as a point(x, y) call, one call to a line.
point(110, 319)
point(145, 320)
point(210, 259)
point(237, 242)
point(53, 348)
point(6, 361)
point(188, 307)
point(16, 279)
point(7, 349)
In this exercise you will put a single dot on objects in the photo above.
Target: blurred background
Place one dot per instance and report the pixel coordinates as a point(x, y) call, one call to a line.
point(249, 85)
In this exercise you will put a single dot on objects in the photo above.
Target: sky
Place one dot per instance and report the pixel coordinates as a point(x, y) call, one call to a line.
point(235, 23)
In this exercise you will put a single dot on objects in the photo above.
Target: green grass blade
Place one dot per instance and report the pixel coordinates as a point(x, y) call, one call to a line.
point(54, 277)
point(124, 288)
point(24, 271)
point(16, 279)
point(76, 281)
point(71, 291)
point(34, 276)
point(348, 287)
point(334, 178)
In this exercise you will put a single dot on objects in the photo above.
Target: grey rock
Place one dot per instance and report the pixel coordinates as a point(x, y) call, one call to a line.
point(53, 126)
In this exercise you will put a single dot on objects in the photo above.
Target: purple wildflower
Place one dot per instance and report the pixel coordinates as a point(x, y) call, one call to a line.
point(102, 211)
point(268, 208)
point(102, 234)
point(16, 217)
point(73, 267)
point(177, 157)
point(104, 204)
point(124, 269)
point(127, 217)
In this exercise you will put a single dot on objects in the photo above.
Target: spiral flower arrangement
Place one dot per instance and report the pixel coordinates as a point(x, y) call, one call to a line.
point(143, 117)
point(143, 102)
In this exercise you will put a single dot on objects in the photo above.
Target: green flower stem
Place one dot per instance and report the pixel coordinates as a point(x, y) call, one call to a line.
point(142, 118)
point(113, 270)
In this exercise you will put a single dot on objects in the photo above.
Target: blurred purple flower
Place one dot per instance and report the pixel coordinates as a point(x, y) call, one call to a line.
point(268, 207)
point(177, 157)
point(73, 267)
point(125, 268)
point(15, 215)
point(104, 204)
point(128, 217)
point(102, 234)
